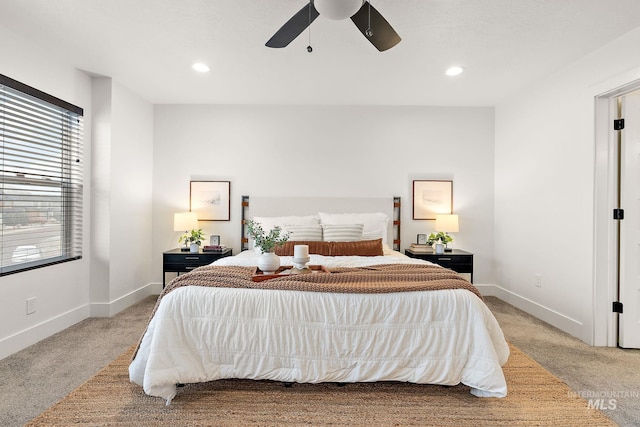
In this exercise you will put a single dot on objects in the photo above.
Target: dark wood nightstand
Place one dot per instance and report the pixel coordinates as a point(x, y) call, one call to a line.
point(176, 261)
point(456, 260)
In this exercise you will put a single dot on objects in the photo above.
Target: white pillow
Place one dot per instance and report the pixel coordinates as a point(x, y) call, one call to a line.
point(375, 224)
point(375, 234)
point(342, 232)
point(268, 223)
point(300, 232)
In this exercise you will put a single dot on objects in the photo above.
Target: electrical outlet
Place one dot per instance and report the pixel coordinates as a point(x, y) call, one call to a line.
point(31, 305)
point(538, 280)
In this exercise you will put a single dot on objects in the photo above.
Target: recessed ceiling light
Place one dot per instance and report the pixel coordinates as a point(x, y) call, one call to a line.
point(200, 67)
point(454, 71)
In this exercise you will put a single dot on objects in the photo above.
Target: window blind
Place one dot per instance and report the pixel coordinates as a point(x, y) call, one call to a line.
point(41, 178)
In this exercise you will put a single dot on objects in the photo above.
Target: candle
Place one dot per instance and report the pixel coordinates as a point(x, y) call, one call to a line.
point(301, 251)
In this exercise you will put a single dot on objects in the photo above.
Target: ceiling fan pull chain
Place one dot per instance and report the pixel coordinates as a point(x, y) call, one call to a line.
point(309, 48)
point(369, 31)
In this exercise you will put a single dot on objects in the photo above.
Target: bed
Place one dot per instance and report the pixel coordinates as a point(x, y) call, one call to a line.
point(351, 324)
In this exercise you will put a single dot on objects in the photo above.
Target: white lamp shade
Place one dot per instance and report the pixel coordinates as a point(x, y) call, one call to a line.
point(337, 9)
point(185, 221)
point(447, 223)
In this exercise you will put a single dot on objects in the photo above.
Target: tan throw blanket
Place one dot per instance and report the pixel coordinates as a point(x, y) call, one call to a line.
point(373, 279)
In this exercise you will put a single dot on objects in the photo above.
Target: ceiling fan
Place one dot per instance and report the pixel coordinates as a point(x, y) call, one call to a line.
point(368, 20)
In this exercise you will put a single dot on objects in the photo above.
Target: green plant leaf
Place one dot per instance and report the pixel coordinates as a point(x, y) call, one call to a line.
point(266, 242)
point(194, 236)
point(439, 237)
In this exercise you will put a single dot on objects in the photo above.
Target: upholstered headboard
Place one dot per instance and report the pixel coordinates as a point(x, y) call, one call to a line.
point(283, 206)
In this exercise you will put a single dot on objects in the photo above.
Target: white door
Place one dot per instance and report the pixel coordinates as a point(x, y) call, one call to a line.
point(629, 320)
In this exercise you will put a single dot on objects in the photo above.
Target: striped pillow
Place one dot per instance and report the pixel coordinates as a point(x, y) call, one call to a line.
point(375, 223)
point(342, 232)
point(299, 232)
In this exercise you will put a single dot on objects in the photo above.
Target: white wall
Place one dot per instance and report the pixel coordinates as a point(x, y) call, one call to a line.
point(61, 291)
point(121, 203)
point(544, 174)
point(101, 189)
point(355, 151)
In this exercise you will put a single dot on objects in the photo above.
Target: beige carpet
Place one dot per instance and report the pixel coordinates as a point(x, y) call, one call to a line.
point(535, 398)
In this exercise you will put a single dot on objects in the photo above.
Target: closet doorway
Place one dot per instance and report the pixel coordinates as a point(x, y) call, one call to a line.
point(628, 160)
point(616, 308)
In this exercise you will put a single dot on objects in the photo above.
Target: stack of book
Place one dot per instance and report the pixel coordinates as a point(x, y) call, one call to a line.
point(213, 248)
point(418, 248)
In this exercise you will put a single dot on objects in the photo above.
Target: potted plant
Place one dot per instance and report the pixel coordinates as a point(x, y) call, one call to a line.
point(194, 238)
point(440, 240)
point(267, 243)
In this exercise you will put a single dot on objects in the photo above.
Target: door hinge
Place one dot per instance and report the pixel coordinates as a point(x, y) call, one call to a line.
point(617, 307)
point(618, 214)
point(618, 124)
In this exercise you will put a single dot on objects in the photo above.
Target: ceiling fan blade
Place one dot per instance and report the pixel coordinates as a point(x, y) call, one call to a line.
point(384, 36)
point(294, 26)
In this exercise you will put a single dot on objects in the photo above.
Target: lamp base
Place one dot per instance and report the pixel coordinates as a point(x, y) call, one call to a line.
point(185, 249)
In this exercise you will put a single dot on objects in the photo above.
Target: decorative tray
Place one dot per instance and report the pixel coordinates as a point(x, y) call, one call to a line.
point(259, 276)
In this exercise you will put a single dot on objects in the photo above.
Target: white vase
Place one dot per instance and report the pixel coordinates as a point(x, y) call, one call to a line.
point(194, 247)
point(439, 248)
point(268, 262)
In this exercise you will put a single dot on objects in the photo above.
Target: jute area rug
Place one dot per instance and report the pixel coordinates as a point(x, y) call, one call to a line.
point(536, 398)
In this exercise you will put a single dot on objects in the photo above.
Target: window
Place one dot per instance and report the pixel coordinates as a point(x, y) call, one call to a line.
point(40, 178)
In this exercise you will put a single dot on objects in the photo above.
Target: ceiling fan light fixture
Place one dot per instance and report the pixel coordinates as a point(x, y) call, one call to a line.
point(337, 9)
point(456, 70)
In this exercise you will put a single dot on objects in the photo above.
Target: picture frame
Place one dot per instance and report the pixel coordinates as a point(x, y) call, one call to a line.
point(431, 198)
point(214, 240)
point(211, 200)
point(421, 239)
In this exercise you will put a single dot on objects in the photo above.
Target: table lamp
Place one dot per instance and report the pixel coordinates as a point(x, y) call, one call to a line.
point(447, 224)
point(185, 221)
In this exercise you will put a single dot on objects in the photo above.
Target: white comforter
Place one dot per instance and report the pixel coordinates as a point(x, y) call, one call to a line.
point(438, 337)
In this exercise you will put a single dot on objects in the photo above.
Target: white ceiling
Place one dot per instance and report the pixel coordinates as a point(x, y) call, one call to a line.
point(150, 45)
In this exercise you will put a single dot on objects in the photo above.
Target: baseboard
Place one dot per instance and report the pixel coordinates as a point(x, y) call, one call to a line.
point(564, 323)
point(35, 333)
point(108, 309)
point(486, 290)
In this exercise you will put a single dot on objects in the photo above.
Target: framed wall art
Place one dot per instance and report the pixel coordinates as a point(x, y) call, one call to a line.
point(211, 200)
point(431, 198)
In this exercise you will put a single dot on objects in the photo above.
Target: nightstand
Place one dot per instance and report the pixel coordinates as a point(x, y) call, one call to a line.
point(456, 260)
point(176, 261)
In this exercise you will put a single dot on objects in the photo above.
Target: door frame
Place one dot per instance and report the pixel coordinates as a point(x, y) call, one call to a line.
point(605, 325)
